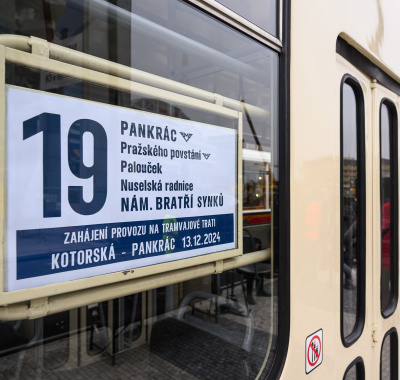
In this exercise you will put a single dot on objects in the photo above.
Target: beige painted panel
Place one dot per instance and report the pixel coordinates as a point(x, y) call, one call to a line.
point(372, 26)
point(315, 229)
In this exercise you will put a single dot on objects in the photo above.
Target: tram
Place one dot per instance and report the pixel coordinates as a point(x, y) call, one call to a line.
point(196, 189)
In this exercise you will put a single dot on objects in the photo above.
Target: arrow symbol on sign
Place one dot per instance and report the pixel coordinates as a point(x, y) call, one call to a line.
point(186, 136)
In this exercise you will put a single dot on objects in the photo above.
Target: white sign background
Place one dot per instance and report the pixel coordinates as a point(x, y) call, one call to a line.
point(214, 176)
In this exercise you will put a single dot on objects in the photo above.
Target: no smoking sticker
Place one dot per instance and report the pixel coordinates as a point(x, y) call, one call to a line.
point(313, 351)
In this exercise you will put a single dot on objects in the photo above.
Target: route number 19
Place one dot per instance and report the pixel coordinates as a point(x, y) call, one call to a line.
point(50, 125)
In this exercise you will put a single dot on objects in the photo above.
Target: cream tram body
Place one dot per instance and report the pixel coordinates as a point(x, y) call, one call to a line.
point(308, 293)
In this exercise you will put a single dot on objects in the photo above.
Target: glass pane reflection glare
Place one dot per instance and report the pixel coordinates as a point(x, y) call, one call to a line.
point(350, 191)
point(218, 326)
point(250, 10)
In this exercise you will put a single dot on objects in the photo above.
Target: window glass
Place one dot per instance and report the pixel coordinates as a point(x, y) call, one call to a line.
point(219, 326)
point(352, 374)
point(168, 38)
point(352, 203)
point(355, 370)
point(385, 360)
point(389, 222)
point(56, 336)
point(389, 362)
point(262, 13)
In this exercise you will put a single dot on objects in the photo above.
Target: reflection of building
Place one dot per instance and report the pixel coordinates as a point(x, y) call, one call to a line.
point(256, 171)
point(385, 180)
point(349, 177)
point(7, 9)
point(158, 106)
point(385, 168)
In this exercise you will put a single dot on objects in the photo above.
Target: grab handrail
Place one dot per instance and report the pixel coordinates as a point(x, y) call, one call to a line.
point(80, 59)
point(58, 303)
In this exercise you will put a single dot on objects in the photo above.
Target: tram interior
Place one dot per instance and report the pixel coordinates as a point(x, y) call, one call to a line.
point(189, 327)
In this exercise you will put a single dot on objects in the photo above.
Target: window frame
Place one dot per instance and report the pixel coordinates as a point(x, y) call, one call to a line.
point(394, 353)
point(360, 368)
point(215, 8)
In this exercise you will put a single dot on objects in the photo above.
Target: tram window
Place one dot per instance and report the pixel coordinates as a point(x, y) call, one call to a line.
point(355, 371)
point(196, 329)
point(352, 211)
point(267, 19)
point(389, 208)
point(121, 319)
point(389, 355)
point(56, 339)
point(200, 327)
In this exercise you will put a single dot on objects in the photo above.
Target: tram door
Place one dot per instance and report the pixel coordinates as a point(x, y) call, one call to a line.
point(369, 227)
point(385, 226)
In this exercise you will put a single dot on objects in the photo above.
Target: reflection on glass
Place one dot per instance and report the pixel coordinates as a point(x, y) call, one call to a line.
point(193, 329)
point(385, 359)
point(352, 203)
point(389, 353)
point(349, 217)
point(385, 206)
point(166, 38)
point(56, 340)
point(127, 311)
point(250, 10)
point(352, 374)
point(355, 371)
point(198, 329)
point(388, 205)
point(256, 192)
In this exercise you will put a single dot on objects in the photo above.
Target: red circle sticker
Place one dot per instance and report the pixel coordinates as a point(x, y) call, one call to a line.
point(314, 351)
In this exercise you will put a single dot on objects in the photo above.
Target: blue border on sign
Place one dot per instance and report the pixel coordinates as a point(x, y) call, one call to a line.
point(42, 252)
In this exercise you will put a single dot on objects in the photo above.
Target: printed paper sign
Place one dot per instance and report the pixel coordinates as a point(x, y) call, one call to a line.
point(93, 189)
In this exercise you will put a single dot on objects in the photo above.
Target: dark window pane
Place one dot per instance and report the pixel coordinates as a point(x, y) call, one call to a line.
point(389, 220)
point(389, 362)
point(352, 220)
point(352, 374)
point(355, 370)
point(142, 333)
